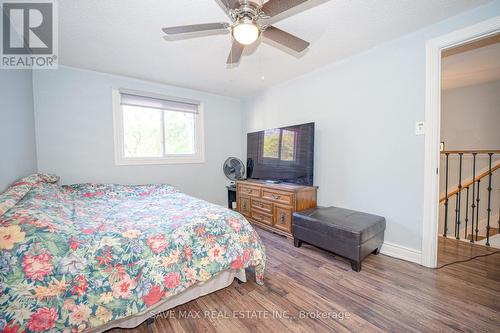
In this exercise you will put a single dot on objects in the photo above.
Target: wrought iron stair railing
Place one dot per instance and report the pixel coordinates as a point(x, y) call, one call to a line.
point(470, 192)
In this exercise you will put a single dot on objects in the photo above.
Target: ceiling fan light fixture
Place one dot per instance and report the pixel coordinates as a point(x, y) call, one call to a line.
point(249, 19)
point(246, 32)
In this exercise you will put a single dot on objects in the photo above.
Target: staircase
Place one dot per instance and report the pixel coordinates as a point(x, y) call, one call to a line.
point(463, 215)
point(493, 232)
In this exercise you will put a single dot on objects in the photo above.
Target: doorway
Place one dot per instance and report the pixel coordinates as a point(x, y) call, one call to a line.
point(469, 183)
point(433, 169)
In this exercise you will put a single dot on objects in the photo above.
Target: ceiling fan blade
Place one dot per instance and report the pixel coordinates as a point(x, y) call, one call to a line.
point(185, 29)
point(284, 38)
point(228, 4)
point(235, 54)
point(275, 7)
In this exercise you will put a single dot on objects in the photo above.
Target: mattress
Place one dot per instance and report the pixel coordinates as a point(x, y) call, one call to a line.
point(86, 256)
point(220, 281)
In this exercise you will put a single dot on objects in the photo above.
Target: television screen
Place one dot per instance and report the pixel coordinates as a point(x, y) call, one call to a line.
point(282, 154)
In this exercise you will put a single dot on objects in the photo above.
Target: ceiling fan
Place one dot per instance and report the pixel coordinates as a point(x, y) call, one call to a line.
point(250, 19)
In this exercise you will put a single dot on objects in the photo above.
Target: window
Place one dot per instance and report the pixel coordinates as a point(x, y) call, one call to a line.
point(280, 144)
point(272, 143)
point(152, 129)
point(288, 145)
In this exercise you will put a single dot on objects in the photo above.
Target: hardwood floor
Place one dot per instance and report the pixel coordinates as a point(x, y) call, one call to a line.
point(388, 295)
point(452, 250)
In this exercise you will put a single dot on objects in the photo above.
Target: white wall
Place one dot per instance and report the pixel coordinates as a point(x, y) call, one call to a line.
point(17, 128)
point(470, 117)
point(74, 127)
point(365, 108)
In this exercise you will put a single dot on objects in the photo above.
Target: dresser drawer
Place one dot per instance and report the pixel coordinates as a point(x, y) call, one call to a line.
point(283, 218)
point(271, 206)
point(249, 190)
point(278, 196)
point(244, 205)
point(262, 206)
point(262, 217)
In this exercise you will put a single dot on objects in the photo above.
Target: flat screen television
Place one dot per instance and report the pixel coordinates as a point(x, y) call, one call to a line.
point(282, 154)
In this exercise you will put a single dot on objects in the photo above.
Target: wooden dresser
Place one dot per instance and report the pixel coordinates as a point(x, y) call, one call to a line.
point(271, 206)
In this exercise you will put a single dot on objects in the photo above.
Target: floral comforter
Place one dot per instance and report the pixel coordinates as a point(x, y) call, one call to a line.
point(75, 257)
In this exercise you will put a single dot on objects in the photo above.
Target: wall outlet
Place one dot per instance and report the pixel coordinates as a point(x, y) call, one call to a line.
point(420, 128)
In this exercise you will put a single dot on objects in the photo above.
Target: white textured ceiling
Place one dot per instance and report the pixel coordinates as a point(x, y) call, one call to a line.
point(473, 67)
point(124, 37)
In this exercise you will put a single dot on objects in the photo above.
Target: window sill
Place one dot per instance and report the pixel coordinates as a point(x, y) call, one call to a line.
point(159, 161)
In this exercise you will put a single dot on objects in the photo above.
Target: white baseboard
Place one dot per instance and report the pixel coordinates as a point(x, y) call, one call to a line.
point(401, 252)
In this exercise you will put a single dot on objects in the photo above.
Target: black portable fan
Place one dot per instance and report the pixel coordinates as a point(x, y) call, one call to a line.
point(234, 169)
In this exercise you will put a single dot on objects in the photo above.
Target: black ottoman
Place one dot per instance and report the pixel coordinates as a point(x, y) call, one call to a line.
point(350, 234)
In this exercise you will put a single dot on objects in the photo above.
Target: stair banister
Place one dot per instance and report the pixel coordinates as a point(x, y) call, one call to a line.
point(475, 200)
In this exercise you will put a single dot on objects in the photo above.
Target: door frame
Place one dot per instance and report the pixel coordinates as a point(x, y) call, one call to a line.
point(434, 47)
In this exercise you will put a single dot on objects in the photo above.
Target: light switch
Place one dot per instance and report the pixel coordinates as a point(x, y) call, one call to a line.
point(419, 128)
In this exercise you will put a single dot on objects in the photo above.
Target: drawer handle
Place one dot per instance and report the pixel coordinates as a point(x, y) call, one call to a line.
point(248, 190)
point(245, 205)
point(275, 196)
point(282, 218)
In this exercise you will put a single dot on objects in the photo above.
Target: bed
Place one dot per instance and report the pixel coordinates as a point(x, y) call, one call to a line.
point(90, 257)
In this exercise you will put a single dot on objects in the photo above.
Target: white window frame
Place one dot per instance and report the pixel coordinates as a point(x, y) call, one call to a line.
point(119, 142)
